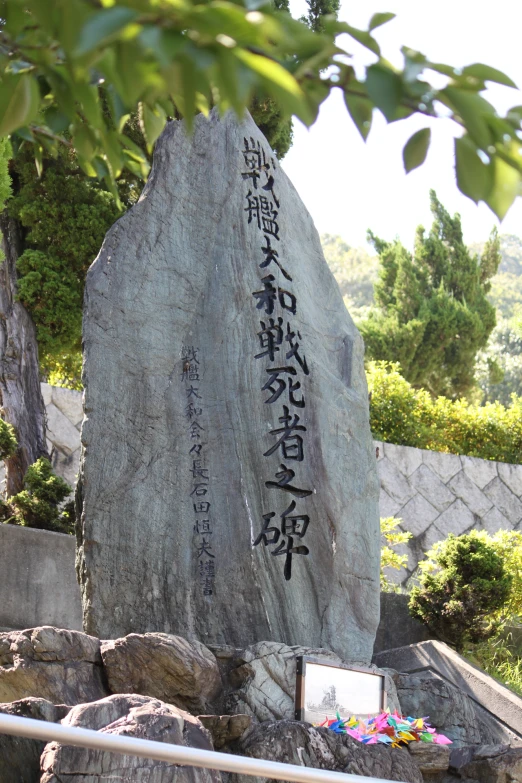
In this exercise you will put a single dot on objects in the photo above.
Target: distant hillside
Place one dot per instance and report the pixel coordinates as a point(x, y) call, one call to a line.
point(506, 286)
point(355, 271)
point(499, 367)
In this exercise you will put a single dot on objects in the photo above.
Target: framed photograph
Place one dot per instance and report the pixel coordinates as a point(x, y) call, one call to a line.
point(324, 690)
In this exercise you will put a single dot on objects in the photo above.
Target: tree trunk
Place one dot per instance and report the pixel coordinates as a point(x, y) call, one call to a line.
point(21, 401)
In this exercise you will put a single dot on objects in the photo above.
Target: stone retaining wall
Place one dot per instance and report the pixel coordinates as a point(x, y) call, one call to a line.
point(37, 580)
point(436, 494)
point(64, 420)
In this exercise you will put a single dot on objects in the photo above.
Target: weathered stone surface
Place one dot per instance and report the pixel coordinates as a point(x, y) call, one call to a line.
point(263, 680)
point(498, 709)
point(456, 519)
point(225, 729)
point(397, 627)
point(60, 430)
point(430, 758)
point(511, 475)
point(302, 744)
point(37, 580)
point(387, 506)
point(505, 500)
point(495, 521)
point(50, 663)
point(486, 764)
point(132, 716)
point(166, 667)
point(20, 756)
point(432, 488)
point(444, 465)
point(407, 460)
point(394, 483)
point(480, 471)
point(69, 402)
point(417, 515)
point(47, 393)
point(66, 465)
point(465, 489)
point(451, 710)
point(179, 270)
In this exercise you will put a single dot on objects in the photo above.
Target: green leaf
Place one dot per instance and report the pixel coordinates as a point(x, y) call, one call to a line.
point(63, 91)
point(16, 17)
point(84, 141)
point(88, 97)
point(56, 120)
point(38, 159)
point(487, 74)
point(100, 166)
point(25, 133)
point(361, 36)
point(416, 149)
point(153, 122)
point(474, 177)
point(384, 88)
point(446, 70)
point(165, 44)
point(472, 109)
point(361, 111)
point(506, 187)
point(279, 82)
point(379, 19)
point(113, 152)
point(104, 25)
point(514, 115)
point(19, 102)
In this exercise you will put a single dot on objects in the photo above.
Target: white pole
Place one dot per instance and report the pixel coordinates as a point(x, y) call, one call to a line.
point(175, 754)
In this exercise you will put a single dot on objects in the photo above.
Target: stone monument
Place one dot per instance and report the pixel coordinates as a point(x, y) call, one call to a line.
point(228, 483)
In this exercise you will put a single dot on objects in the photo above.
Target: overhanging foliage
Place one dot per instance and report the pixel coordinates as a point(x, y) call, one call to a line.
point(185, 56)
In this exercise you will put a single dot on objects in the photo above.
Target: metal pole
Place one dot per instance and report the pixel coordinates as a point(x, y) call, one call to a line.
point(175, 754)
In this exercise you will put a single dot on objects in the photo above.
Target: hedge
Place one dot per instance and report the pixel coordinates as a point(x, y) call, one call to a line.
point(411, 417)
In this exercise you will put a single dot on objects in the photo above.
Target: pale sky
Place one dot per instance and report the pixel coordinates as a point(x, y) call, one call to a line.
point(349, 186)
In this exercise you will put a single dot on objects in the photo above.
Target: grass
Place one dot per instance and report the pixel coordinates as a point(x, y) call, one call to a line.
point(498, 660)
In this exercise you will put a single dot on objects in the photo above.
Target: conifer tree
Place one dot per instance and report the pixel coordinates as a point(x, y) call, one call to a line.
point(432, 315)
point(317, 10)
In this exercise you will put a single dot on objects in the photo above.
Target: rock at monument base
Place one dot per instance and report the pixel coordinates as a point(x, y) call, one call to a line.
point(228, 477)
point(485, 764)
point(225, 729)
point(20, 756)
point(263, 680)
point(451, 710)
point(133, 716)
point(165, 667)
point(299, 743)
point(432, 760)
point(64, 667)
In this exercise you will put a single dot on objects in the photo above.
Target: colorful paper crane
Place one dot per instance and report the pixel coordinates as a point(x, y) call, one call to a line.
point(390, 729)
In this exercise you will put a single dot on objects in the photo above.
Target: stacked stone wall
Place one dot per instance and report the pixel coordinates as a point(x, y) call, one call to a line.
point(63, 408)
point(436, 494)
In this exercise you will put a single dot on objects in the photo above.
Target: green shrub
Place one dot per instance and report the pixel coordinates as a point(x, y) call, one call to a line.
point(411, 417)
point(508, 546)
point(390, 538)
point(8, 442)
point(462, 586)
point(38, 505)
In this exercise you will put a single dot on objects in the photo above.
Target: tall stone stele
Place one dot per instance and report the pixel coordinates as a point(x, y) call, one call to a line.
point(228, 482)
